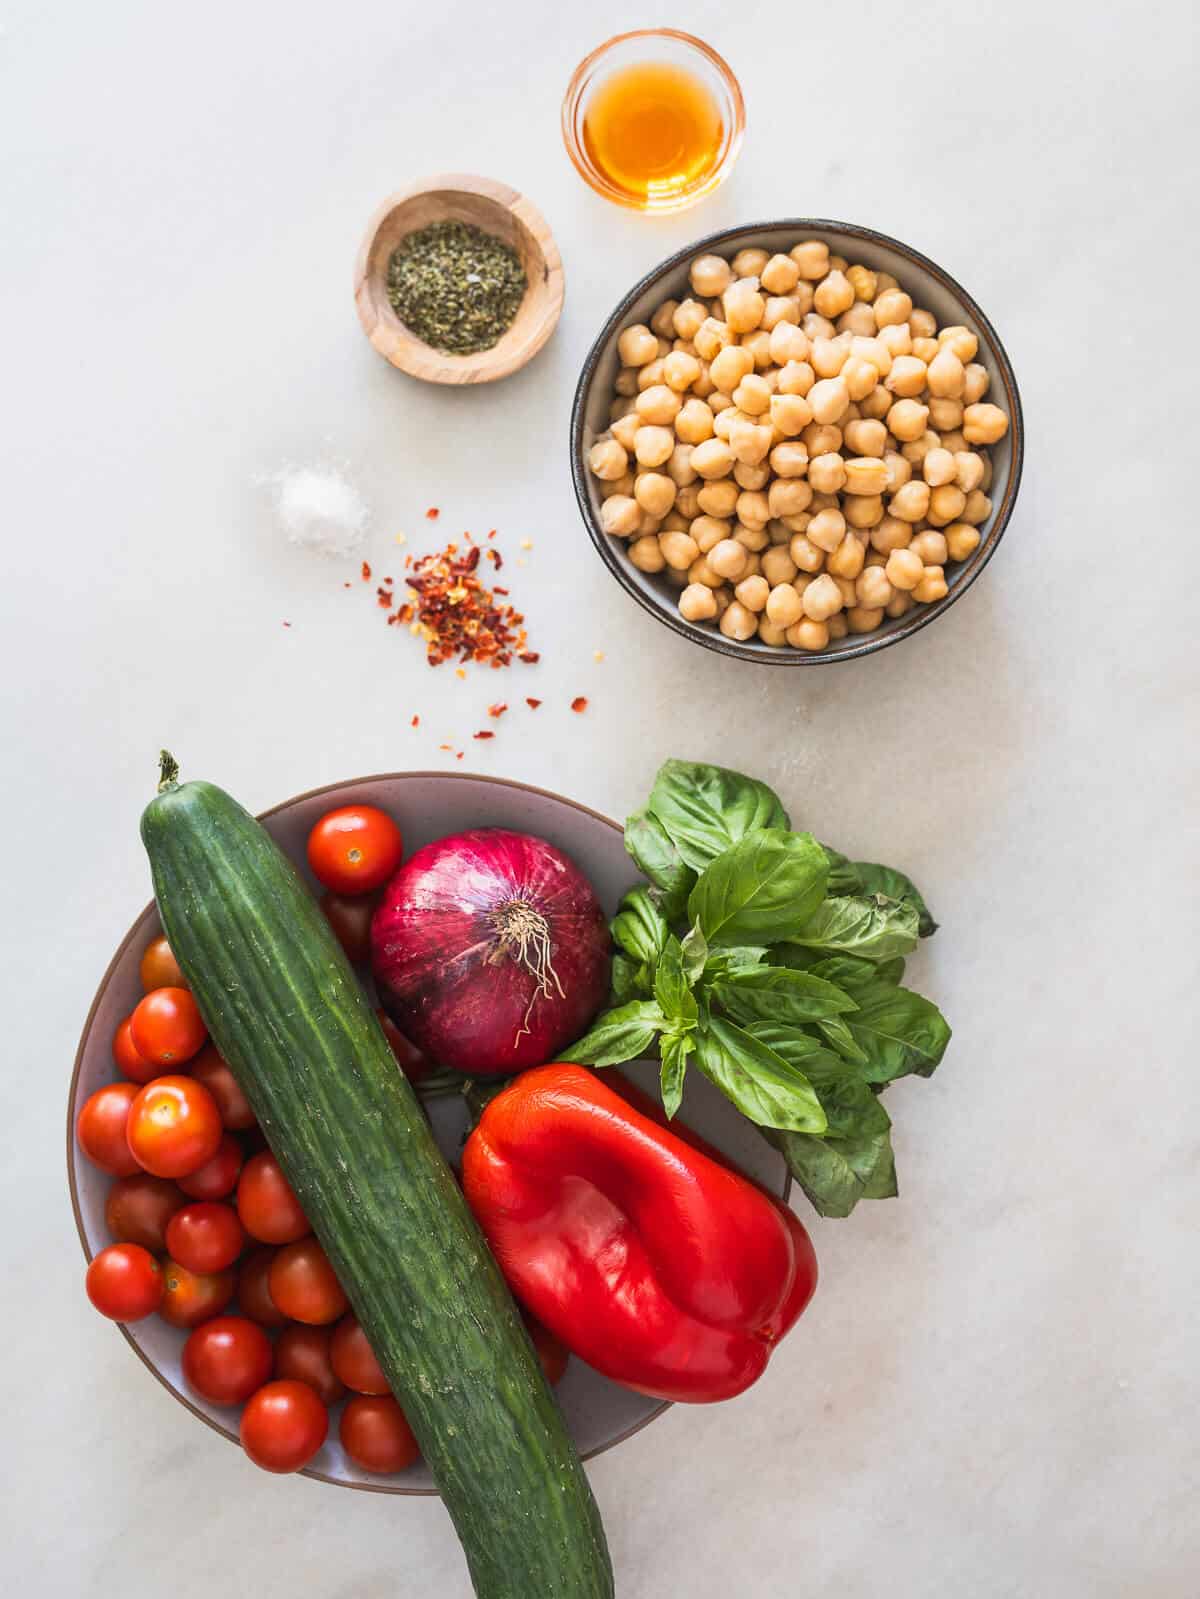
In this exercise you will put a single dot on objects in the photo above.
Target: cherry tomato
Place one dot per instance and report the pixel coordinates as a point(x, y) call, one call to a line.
point(253, 1290)
point(174, 1126)
point(354, 849)
point(138, 1209)
point(283, 1426)
point(159, 968)
point(206, 1237)
point(218, 1176)
point(304, 1285)
point(376, 1435)
point(350, 920)
point(166, 1027)
point(303, 1354)
point(101, 1129)
point(227, 1360)
point(409, 1058)
point(192, 1297)
point(125, 1282)
point(129, 1063)
point(208, 1068)
point(268, 1208)
point(551, 1351)
point(354, 1360)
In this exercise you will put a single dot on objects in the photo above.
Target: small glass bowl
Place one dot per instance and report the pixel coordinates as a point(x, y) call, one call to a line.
point(670, 47)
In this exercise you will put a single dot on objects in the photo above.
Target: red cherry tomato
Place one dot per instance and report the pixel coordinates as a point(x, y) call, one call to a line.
point(551, 1351)
point(138, 1209)
point(354, 849)
point(208, 1068)
point(129, 1063)
point(253, 1290)
point(304, 1285)
point(206, 1237)
point(190, 1298)
point(174, 1126)
point(166, 1027)
point(376, 1435)
point(303, 1354)
point(268, 1207)
point(125, 1282)
point(350, 920)
point(227, 1360)
point(354, 1360)
point(101, 1129)
point(283, 1426)
point(159, 968)
point(409, 1058)
point(218, 1176)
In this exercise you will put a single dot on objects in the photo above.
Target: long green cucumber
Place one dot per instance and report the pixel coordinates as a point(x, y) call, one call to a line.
point(288, 1014)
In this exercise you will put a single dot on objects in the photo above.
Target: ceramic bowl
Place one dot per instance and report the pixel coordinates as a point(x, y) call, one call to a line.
point(427, 805)
point(930, 286)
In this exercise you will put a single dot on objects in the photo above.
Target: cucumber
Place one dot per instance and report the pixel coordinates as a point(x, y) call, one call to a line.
point(288, 1014)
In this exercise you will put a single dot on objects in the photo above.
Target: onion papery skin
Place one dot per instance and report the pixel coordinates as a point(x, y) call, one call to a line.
point(447, 964)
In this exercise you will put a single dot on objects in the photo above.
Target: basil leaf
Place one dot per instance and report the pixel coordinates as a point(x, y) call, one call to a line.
point(695, 954)
point(671, 987)
point(639, 927)
point(890, 971)
point(848, 971)
point(760, 1083)
point(841, 1039)
point(765, 887)
point(618, 1035)
point(704, 809)
point(866, 878)
point(798, 1048)
point(630, 979)
point(676, 1047)
point(875, 928)
point(847, 1099)
point(646, 840)
point(773, 993)
point(899, 1031)
point(733, 959)
point(836, 1173)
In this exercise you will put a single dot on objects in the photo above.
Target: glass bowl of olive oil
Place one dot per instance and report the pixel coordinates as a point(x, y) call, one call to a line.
point(653, 120)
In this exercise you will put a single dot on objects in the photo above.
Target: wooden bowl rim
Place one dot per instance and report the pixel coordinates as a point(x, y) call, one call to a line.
point(412, 355)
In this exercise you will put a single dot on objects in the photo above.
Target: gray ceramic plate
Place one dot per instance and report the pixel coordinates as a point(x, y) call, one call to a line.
point(930, 286)
point(427, 805)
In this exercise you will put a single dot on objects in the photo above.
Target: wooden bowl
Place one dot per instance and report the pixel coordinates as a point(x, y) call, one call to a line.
point(497, 209)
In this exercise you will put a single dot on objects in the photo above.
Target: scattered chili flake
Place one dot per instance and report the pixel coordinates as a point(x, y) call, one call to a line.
point(389, 580)
point(458, 672)
point(366, 571)
point(484, 734)
point(529, 656)
point(455, 613)
point(496, 590)
point(497, 709)
point(532, 704)
point(579, 703)
point(347, 585)
point(458, 755)
point(495, 558)
point(433, 513)
point(385, 598)
point(492, 533)
point(416, 721)
point(445, 746)
point(287, 624)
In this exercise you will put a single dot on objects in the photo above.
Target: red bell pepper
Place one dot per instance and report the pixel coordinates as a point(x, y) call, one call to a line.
point(632, 1241)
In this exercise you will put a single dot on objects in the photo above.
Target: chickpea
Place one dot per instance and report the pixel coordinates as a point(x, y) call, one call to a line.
point(829, 399)
point(961, 540)
point(749, 262)
point(754, 539)
point(883, 282)
point(788, 342)
point(833, 295)
point(975, 383)
point(679, 550)
point(826, 530)
point(788, 496)
point(701, 572)
point(697, 603)
point(779, 275)
point(874, 351)
point(907, 378)
point(847, 560)
point(932, 586)
point(947, 375)
point(825, 502)
point(984, 424)
point(862, 280)
point(892, 308)
point(620, 515)
point(953, 441)
point(938, 467)
point(806, 557)
point(790, 414)
point(688, 318)
point(803, 296)
point(896, 339)
point(872, 589)
point(658, 405)
point(711, 338)
point(758, 345)
point(822, 598)
point(778, 567)
point(828, 357)
point(674, 522)
point(625, 382)
point(961, 340)
point(946, 504)
point(863, 619)
point(662, 323)
point(637, 346)
point(931, 547)
point(827, 472)
point(945, 414)
point(899, 603)
point(977, 509)
point(645, 554)
point(865, 437)
point(789, 460)
point(784, 606)
point(899, 470)
point(768, 633)
point(876, 405)
point(916, 450)
point(862, 378)
point(620, 406)
point(780, 529)
point(607, 459)
point(906, 420)
point(858, 321)
point(703, 385)
point(752, 395)
point(818, 327)
point(811, 258)
point(687, 501)
point(625, 429)
point(712, 459)
point(752, 508)
point(724, 599)
point(729, 366)
point(738, 623)
point(865, 474)
point(924, 349)
point(748, 475)
point(718, 498)
point(654, 492)
point(710, 276)
point(694, 422)
point(653, 445)
point(650, 374)
point(808, 634)
point(618, 485)
point(796, 377)
point(749, 441)
point(708, 531)
point(752, 592)
point(648, 523)
point(680, 371)
point(724, 420)
point(863, 511)
point(904, 569)
point(911, 502)
point(781, 310)
point(968, 470)
point(744, 305)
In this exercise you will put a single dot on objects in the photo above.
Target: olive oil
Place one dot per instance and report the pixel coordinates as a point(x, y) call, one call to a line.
point(653, 129)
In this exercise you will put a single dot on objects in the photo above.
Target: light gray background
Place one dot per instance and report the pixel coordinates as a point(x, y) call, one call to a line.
point(994, 1392)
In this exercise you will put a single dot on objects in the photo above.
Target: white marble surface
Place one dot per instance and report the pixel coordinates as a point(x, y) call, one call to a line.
point(994, 1393)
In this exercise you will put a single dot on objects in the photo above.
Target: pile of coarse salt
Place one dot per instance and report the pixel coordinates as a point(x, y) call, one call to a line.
point(320, 509)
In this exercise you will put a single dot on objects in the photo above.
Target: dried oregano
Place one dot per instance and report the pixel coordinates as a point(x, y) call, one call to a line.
point(455, 286)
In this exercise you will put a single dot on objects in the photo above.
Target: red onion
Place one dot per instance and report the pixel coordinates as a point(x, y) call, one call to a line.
point(490, 951)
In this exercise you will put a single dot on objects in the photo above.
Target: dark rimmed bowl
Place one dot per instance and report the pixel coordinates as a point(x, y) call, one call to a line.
point(427, 805)
point(931, 287)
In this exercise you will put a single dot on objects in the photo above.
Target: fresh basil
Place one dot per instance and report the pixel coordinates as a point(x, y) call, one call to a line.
point(773, 993)
point(760, 1083)
point(647, 841)
point(733, 959)
point(866, 878)
point(877, 929)
point(847, 971)
point(768, 886)
point(704, 809)
point(798, 1048)
point(676, 1047)
point(840, 1039)
point(899, 1032)
point(836, 1173)
point(630, 979)
point(618, 1035)
point(640, 927)
point(672, 989)
point(695, 954)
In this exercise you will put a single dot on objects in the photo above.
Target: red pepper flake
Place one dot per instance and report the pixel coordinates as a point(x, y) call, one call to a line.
point(529, 656)
point(579, 703)
point(495, 558)
point(366, 571)
point(384, 598)
point(347, 585)
point(498, 590)
point(497, 710)
point(389, 580)
point(484, 734)
point(416, 722)
point(445, 746)
point(433, 513)
point(287, 624)
point(458, 617)
point(458, 755)
point(532, 704)
point(492, 533)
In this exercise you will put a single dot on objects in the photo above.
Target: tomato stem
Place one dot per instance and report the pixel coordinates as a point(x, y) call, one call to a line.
point(168, 771)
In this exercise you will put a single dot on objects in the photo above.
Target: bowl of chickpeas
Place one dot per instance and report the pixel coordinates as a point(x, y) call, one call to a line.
point(797, 441)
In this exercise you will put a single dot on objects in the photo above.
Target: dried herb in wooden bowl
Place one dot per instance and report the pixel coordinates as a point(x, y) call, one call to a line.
point(455, 286)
